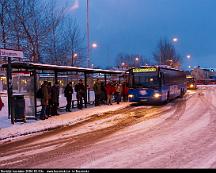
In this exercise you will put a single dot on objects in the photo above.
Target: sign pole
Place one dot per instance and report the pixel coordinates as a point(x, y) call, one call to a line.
point(10, 91)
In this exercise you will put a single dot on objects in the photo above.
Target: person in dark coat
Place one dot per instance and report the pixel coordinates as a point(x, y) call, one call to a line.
point(97, 91)
point(80, 90)
point(125, 92)
point(49, 107)
point(103, 93)
point(118, 91)
point(68, 94)
point(44, 100)
point(55, 98)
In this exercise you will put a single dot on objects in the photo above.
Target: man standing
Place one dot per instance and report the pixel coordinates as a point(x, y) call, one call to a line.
point(44, 100)
point(68, 94)
point(97, 91)
point(109, 92)
point(55, 98)
point(125, 92)
point(49, 106)
point(80, 90)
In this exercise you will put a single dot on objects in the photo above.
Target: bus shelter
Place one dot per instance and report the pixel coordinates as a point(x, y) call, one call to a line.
point(26, 78)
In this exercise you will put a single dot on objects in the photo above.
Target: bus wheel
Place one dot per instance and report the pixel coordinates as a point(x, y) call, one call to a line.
point(182, 93)
point(167, 97)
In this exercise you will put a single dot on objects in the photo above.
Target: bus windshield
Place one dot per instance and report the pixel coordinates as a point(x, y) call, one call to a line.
point(145, 80)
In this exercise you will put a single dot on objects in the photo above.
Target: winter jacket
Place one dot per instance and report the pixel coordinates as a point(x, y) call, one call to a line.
point(68, 91)
point(55, 94)
point(118, 89)
point(80, 89)
point(45, 95)
point(97, 88)
point(124, 89)
point(109, 89)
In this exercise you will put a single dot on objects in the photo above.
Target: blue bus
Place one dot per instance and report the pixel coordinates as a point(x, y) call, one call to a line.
point(156, 84)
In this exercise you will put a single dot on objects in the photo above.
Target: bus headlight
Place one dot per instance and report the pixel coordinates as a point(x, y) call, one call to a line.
point(157, 95)
point(130, 96)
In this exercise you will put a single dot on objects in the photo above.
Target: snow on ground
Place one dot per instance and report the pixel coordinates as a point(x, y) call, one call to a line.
point(20, 129)
point(181, 136)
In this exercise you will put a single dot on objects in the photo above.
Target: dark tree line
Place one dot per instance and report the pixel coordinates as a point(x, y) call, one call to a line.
point(165, 54)
point(44, 32)
point(126, 61)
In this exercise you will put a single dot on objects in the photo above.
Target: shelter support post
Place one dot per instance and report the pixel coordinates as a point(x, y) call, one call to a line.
point(10, 91)
point(35, 92)
point(105, 79)
point(56, 76)
point(86, 88)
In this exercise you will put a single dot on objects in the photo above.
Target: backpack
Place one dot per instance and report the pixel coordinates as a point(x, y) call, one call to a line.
point(39, 94)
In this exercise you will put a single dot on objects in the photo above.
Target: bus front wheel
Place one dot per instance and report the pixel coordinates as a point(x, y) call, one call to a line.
point(182, 93)
point(167, 97)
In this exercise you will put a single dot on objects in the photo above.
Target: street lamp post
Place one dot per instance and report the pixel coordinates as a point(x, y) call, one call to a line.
point(88, 32)
point(74, 56)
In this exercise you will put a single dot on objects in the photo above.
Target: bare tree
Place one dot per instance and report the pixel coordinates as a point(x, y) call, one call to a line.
point(35, 23)
point(4, 23)
point(73, 42)
point(41, 30)
point(165, 54)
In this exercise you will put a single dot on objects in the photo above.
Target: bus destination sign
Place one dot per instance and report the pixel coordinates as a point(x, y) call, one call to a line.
point(143, 70)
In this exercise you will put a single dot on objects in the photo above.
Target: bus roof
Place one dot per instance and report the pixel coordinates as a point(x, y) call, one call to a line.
point(158, 66)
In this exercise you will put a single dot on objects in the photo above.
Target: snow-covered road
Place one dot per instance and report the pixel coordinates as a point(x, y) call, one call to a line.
point(181, 134)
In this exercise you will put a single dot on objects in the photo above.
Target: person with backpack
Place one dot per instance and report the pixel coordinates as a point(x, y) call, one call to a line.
point(43, 95)
point(68, 94)
point(80, 90)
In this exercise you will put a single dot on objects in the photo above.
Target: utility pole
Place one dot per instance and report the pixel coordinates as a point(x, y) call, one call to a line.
point(88, 32)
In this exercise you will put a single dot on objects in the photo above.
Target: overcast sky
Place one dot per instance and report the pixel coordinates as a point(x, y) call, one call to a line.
point(136, 26)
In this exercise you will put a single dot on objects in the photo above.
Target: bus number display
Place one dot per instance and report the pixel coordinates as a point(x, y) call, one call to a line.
point(140, 70)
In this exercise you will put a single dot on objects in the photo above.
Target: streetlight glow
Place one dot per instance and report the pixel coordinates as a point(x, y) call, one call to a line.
point(94, 45)
point(188, 56)
point(175, 39)
point(75, 55)
point(137, 59)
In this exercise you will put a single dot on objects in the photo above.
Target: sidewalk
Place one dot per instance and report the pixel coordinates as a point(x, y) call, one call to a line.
point(21, 129)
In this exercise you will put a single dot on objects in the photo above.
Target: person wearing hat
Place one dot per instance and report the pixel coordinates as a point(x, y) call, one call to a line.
point(55, 98)
point(68, 94)
point(80, 90)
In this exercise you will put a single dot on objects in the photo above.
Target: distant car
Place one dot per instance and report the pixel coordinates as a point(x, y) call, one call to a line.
point(191, 82)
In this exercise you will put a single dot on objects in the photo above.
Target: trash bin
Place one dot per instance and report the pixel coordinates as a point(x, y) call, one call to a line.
point(19, 107)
